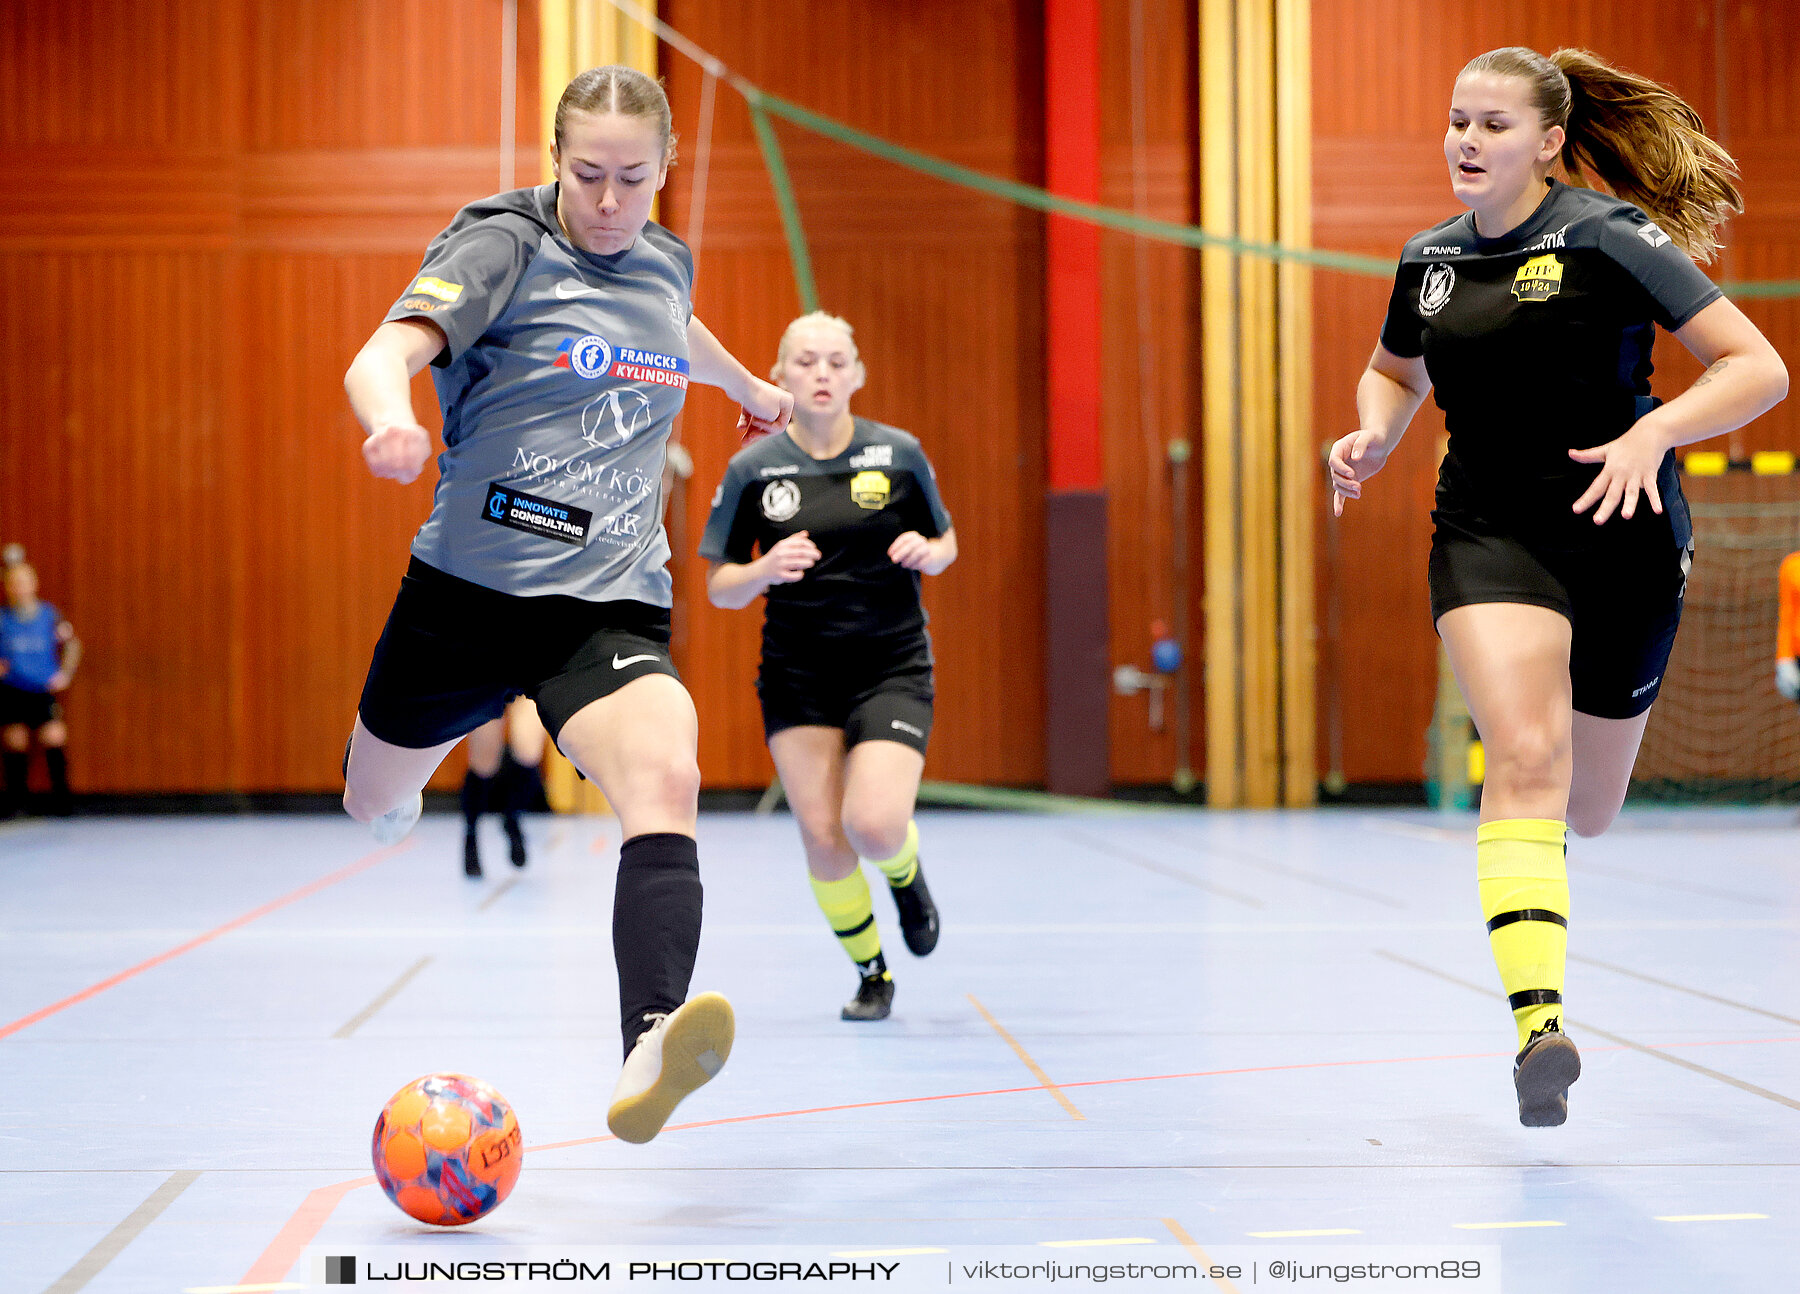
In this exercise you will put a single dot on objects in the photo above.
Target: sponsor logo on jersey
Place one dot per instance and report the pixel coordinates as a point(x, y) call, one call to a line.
point(1557, 239)
point(569, 289)
point(786, 469)
point(593, 356)
point(1434, 291)
point(780, 500)
point(614, 417)
point(422, 305)
point(1652, 235)
point(588, 356)
point(1436, 249)
point(1538, 279)
point(438, 288)
point(874, 456)
point(870, 489)
point(516, 510)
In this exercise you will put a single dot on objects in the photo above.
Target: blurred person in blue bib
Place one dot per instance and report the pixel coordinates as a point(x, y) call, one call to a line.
point(38, 655)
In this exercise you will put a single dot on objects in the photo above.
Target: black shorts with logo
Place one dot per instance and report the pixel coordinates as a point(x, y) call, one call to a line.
point(453, 653)
point(20, 705)
point(1621, 595)
point(873, 694)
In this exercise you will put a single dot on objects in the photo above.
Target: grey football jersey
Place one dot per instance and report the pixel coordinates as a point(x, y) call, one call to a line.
point(561, 378)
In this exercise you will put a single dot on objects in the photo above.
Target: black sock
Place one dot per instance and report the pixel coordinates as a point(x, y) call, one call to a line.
point(521, 784)
point(656, 926)
point(18, 767)
point(475, 792)
point(58, 764)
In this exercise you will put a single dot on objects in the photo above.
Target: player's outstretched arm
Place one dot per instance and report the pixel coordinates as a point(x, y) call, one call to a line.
point(379, 384)
point(766, 407)
point(1388, 394)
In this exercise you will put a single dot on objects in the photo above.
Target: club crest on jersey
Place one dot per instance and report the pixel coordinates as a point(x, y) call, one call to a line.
point(595, 357)
point(780, 500)
point(1538, 279)
point(870, 489)
point(1434, 291)
point(589, 356)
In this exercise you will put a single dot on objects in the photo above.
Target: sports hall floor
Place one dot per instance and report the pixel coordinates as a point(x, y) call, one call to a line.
point(1164, 1034)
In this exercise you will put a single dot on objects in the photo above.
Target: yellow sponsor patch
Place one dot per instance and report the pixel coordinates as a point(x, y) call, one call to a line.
point(438, 288)
point(1538, 279)
point(870, 489)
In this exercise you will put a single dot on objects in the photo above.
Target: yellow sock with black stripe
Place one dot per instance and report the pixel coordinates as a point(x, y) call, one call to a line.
point(1524, 880)
point(847, 907)
point(903, 866)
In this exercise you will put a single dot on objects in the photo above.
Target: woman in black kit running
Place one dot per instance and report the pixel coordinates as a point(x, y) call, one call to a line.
point(846, 515)
point(1561, 540)
point(559, 324)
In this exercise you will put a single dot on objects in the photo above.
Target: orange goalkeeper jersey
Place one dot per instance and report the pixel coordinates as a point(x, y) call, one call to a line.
point(1787, 636)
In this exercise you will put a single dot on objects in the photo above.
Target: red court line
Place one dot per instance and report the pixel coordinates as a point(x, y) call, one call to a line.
point(285, 1250)
point(343, 873)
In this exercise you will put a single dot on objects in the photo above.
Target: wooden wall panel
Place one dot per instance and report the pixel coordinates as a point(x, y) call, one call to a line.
point(1383, 73)
point(206, 208)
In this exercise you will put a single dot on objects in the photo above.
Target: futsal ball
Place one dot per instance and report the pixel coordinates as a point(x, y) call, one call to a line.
point(447, 1149)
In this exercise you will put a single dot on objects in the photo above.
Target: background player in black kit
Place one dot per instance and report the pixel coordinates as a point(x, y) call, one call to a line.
point(559, 324)
point(1556, 595)
point(846, 515)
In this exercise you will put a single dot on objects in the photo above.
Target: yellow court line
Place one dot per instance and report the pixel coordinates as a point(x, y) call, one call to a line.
point(1036, 1070)
point(1292, 1235)
point(1714, 1217)
point(1085, 1244)
point(1198, 1254)
point(1502, 1226)
point(885, 1253)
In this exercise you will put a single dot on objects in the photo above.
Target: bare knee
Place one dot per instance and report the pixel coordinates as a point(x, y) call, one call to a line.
point(673, 784)
point(874, 833)
point(17, 738)
point(54, 734)
point(1527, 758)
point(1591, 813)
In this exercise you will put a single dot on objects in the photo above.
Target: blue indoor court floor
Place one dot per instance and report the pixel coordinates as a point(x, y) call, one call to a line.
point(1172, 1033)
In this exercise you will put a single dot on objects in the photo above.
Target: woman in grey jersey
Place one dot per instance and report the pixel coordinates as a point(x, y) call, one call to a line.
point(847, 516)
point(1560, 539)
point(559, 327)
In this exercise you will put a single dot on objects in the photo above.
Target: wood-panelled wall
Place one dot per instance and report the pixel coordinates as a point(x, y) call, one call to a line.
point(206, 206)
point(204, 211)
point(1382, 76)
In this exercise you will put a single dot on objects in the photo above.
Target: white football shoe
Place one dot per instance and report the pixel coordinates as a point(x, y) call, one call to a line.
point(396, 824)
point(678, 1053)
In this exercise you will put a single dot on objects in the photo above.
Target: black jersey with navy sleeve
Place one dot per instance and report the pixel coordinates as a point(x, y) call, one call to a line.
point(1539, 342)
point(852, 507)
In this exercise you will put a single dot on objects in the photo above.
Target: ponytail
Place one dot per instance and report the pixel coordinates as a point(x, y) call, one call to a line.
point(1637, 138)
point(1649, 147)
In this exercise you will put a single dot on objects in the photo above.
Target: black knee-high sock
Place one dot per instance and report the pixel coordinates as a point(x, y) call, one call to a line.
point(18, 766)
point(656, 926)
point(58, 763)
point(475, 791)
point(522, 783)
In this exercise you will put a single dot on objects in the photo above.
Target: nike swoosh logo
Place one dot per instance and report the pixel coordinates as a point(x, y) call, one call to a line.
point(629, 660)
point(578, 289)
